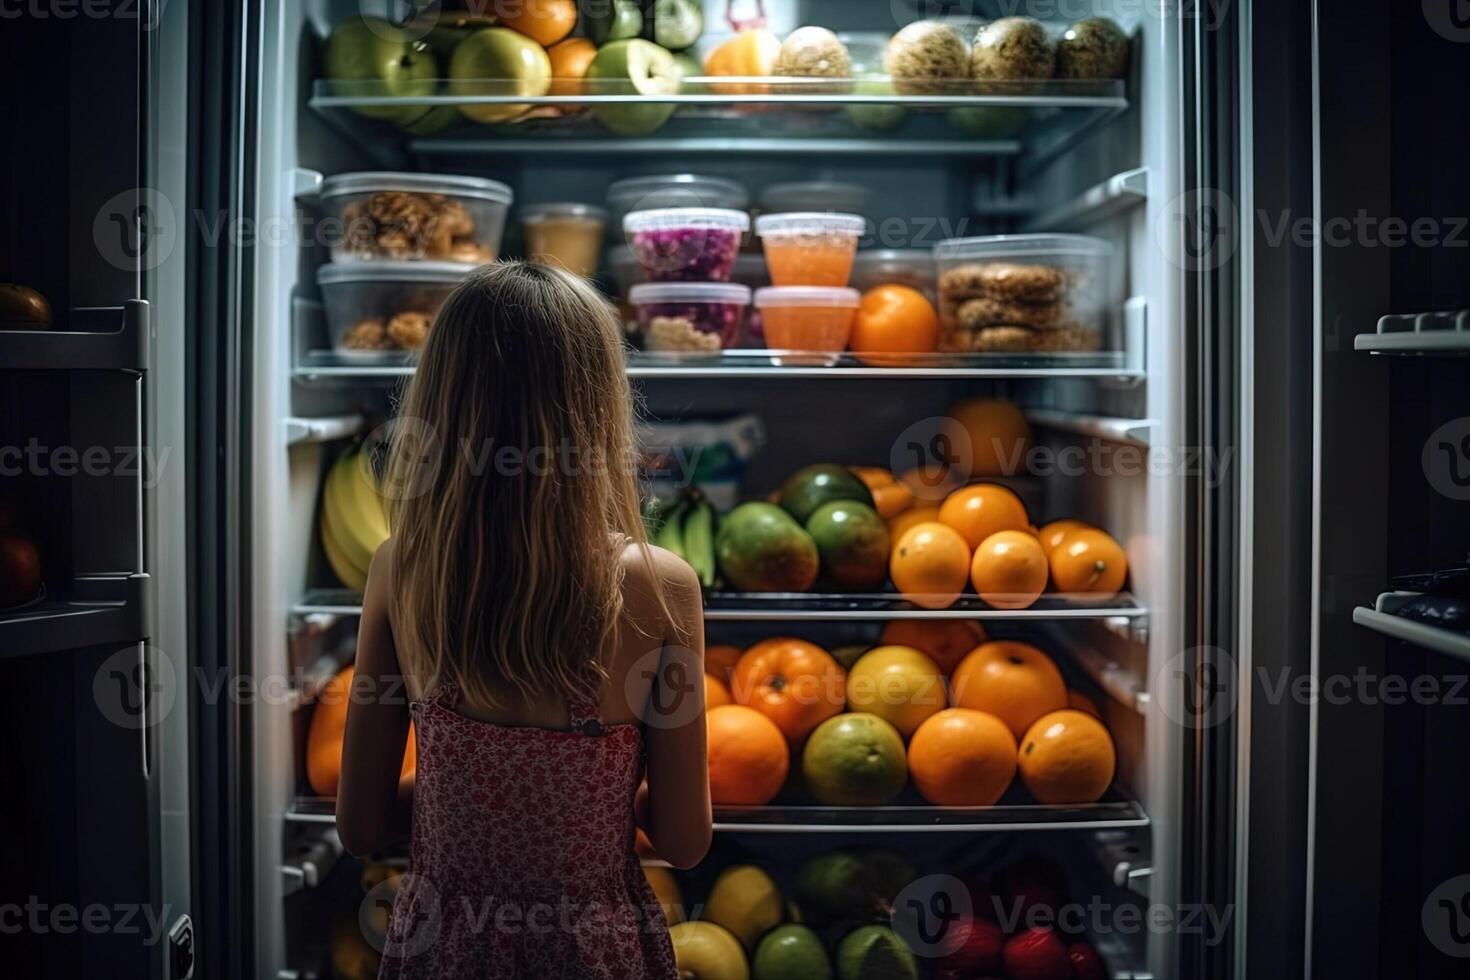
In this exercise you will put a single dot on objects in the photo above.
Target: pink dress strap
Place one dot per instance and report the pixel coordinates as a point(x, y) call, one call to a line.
point(584, 715)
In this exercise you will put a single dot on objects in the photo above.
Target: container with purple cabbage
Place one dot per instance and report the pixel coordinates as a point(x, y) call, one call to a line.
point(686, 244)
point(693, 317)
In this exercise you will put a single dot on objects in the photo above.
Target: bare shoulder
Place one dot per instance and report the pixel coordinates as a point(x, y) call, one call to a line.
point(380, 567)
point(662, 567)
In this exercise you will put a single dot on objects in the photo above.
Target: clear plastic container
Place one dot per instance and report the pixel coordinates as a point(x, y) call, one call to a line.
point(912, 267)
point(567, 234)
point(384, 307)
point(403, 217)
point(686, 244)
point(807, 318)
point(673, 191)
point(810, 248)
point(1020, 293)
point(698, 317)
point(814, 195)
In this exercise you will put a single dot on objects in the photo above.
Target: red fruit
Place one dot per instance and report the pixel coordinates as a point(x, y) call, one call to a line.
point(1036, 954)
point(20, 570)
point(1033, 890)
point(1086, 964)
point(976, 950)
point(983, 902)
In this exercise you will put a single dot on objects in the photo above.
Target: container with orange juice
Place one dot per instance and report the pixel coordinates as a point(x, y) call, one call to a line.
point(807, 318)
point(809, 248)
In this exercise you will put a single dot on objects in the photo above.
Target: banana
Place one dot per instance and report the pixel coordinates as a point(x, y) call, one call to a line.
point(671, 535)
point(350, 575)
point(359, 523)
point(699, 540)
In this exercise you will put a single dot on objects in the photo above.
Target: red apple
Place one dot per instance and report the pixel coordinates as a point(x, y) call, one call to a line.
point(976, 950)
point(20, 569)
point(1086, 964)
point(982, 900)
point(1033, 886)
point(1036, 954)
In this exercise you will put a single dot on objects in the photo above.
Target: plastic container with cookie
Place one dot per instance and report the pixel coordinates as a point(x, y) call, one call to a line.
point(1022, 293)
point(385, 308)
point(399, 217)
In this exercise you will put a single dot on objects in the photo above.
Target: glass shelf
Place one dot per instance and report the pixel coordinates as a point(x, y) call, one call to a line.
point(744, 114)
point(322, 366)
point(1109, 814)
point(841, 607)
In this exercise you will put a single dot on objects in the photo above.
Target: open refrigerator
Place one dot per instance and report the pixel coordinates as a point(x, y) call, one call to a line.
point(239, 372)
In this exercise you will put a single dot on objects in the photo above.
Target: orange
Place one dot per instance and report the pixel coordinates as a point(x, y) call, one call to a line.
point(854, 759)
point(899, 684)
point(1009, 570)
point(1081, 702)
point(1088, 562)
point(999, 435)
point(910, 517)
point(929, 565)
point(715, 692)
point(890, 498)
point(328, 728)
point(748, 758)
point(569, 61)
point(980, 510)
point(946, 641)
point(543, 21)
point(749, 52)
point(794, 683)
point(1052, 534)
point(894, 319)
point(962, 757)
point(1067, 757)
point(1013, 681)
point(931, 482)
point(720, 660)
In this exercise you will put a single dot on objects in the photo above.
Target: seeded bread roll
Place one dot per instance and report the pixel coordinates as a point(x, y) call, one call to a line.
point(1093, 48)
point(1013, 48)
point(924, 56)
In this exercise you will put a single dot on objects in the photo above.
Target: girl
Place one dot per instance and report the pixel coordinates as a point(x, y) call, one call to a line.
point(549, 654)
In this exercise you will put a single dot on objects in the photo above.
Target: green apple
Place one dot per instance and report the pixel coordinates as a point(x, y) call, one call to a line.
point(614, 20)
point(499, 55)
point(633, 67)
point(677, 23)
point(875, 116)
point(370, 49)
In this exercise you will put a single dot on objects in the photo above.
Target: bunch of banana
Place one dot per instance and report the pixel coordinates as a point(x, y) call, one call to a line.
point(687, 528)
point(354, 520)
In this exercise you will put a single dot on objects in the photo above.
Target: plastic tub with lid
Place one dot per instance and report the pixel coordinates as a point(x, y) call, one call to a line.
point(912, 267)
point(807, 318)
point(698, 317)
point(1022, 293)
point(384, 307)
point(404, 217)
point(565, 233)
point(810, 248)
point(673, 191)
point(686, 244)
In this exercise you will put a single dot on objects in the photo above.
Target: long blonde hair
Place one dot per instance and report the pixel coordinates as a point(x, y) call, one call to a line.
point(511, 490)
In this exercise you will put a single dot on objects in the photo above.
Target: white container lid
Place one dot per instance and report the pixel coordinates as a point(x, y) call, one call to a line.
point(667, 190)
point(830, 195)
point(659, 218)
point(828, 296)
point(455, 185)
point(689, 292)
point(1011, 246)
point(338, 273)
point(533, 213)
point(810, 223)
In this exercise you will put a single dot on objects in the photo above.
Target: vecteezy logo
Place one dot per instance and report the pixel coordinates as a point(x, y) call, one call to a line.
point(407, 20)
point(135, 230)
point(1198, 687)
point(671, 674)
point(1450, 19)
point(401, 916)
point(135, 687)
point(929, 913)
point(1446, 917)
point(1446, 459)
point(1198, 230)
point(413, 439)
point(938, 453)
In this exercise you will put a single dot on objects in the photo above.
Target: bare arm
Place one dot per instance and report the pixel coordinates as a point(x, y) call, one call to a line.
point(373, 809)
point(679, 815)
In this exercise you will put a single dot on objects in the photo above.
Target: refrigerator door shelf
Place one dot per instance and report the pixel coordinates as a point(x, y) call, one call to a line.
point(1383, 618)
point(97, 610)
point(87, 345)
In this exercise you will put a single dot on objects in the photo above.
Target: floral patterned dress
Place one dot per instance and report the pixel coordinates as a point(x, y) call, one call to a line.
point(522, 864)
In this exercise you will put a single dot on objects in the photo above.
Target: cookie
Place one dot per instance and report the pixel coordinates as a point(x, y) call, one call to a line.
point(996, 339)
point(1068, 338)
point(986, 311)
point(1002, 280)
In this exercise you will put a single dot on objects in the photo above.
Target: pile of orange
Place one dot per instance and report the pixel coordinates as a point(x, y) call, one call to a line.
point(936, 705)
